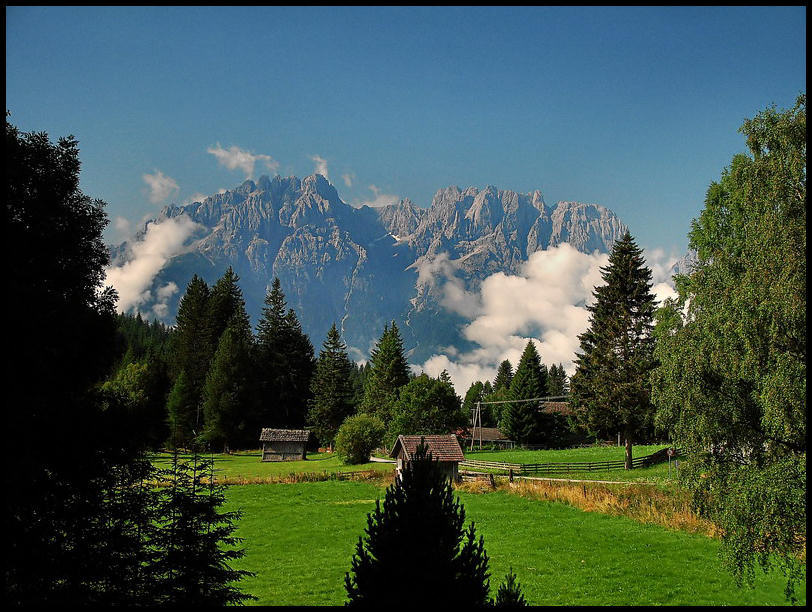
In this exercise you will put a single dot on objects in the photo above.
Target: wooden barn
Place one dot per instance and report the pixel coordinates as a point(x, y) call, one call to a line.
point(445, 449)
point(284, 444)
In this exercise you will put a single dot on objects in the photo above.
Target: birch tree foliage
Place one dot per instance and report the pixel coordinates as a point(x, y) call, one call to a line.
point(731, 384)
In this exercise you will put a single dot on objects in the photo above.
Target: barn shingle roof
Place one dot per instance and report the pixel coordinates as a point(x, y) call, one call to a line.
point(442, 448)
point(284, 435)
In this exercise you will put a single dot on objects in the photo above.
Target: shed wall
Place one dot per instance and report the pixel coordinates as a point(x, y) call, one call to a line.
point(283, 451)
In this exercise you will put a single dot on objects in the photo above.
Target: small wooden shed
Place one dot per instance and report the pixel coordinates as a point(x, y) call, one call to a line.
point(284, 444)
point(443, 448)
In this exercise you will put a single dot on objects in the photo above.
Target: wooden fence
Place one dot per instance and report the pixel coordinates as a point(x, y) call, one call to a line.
point(524, 469)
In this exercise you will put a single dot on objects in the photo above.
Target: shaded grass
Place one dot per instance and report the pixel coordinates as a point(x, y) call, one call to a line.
point(300, 538)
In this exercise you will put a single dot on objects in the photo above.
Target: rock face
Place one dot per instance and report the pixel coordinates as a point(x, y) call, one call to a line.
point(363, 267)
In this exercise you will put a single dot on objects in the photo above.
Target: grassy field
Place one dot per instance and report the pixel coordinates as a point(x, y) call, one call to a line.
point(249, 467)
point(300, 538)
point(656, 473)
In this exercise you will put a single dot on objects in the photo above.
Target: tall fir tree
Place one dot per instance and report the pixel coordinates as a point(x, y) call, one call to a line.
point(193, 540)
point(611, 388)
point(183, 412)
point(557, 383)
point(332, 388)
point(504, 375)
point(192, 350)
point(475, 393)
point(389, 371)
point(286, 363)
point(228, 398)
point(521, 421)
point(416, 547)
point(226, 307)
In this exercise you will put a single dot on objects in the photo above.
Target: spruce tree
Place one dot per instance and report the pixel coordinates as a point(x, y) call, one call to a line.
point(183, 411)
point(416, 547)
point(509, 594)
point(504, 375)
point(227, 395)
point(194, 541)
point(611, 387)
point(474, 394)
point(521, 421)
point(331, 388)
point(389, 371)
point(192, 351)
point(557, 384)
point(226, 306)
point(285, 361)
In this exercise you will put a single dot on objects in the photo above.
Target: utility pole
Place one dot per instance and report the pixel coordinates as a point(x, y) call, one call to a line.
point(477, 417)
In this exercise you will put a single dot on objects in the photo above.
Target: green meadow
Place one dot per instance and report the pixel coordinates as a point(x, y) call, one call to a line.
point(655, 474)
point(300, 538)
point(248, 465)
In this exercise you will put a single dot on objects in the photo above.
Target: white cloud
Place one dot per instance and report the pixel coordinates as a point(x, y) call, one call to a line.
point(660, 264)
point(161, 187)
point(379, 199)
point(162, 295)
point(148, 256)
point(195, 197)
point(123, 228)
point(321, 166)
point(348, 178)
point(234, 157)
point(545, 302)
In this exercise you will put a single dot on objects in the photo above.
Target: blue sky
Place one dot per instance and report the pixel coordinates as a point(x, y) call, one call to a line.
point(636, 109)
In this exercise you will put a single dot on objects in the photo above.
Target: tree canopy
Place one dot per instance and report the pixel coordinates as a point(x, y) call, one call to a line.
point(417, 548)
point(521, 420)
point(332, 388)
point(426, 405)
point(610, 387)
point(731, 384)
point(388, 372)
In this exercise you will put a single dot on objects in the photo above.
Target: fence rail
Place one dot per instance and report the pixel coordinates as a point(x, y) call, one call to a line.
point(571, 466)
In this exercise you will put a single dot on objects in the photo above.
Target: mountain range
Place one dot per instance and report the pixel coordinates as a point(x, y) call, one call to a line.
point(364, 267)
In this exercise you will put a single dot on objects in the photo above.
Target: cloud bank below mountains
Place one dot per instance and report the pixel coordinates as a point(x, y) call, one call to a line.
point(134, 278)
point(545, 302)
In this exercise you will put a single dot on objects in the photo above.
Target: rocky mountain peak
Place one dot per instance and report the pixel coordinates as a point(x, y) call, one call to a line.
point(359, 267)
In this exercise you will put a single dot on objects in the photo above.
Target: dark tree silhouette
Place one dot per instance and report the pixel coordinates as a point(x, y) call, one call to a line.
point(417, 548)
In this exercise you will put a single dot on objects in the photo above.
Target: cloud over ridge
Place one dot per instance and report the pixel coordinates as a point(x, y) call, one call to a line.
point(133, 278)
point(544, 302)
point(161, 187)
point(236, 158)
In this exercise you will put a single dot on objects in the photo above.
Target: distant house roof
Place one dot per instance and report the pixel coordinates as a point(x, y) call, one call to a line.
point(489, 434)
point(284, 435)
point(560, 407)
point(442, 448)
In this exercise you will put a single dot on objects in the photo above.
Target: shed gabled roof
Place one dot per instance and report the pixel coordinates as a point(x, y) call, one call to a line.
point(284, 435)
point(442, 448)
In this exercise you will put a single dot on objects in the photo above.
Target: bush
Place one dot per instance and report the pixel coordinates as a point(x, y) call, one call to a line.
point(358, 436)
